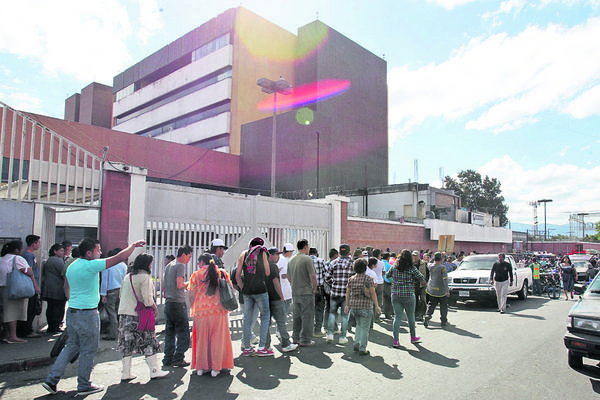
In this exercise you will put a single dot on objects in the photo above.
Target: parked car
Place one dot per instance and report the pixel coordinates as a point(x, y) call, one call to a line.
point(583, 327)
point(582, 268)
point(471, 280)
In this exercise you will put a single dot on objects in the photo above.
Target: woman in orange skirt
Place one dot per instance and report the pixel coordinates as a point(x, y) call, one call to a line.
point(211, 341)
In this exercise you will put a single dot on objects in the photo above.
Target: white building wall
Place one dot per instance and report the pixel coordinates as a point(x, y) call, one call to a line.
point(200, 130)
point(467, 232)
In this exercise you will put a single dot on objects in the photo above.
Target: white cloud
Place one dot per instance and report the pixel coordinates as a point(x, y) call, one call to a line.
point(552, 181)
point(80, 38)
point(505, 81)
point(506, 7)
point(586, 104)
point(564, 150)
point(150, 19)
point(451, 4)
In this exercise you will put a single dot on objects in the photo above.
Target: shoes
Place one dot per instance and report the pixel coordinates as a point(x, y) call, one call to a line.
point(364, 353)
point(49, 387)
point(254, 340)
point(342, 340)
point(426, 321)
point(502, 311)
point(311, 343)
point(214, 373)
point(249, 352)
point(419, 319)
point(33, 335)
point(415, 339)
point(337, 332)
point(291, 347)
point(181, 363)
point(350, 329)
point(355, 347)
point(264, 352)
point(92, 389)
point(396, 343)
point(200, 372)
point(318, 334)
point(329, 338)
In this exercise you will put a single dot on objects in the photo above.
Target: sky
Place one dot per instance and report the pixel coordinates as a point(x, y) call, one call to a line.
point(509, 88)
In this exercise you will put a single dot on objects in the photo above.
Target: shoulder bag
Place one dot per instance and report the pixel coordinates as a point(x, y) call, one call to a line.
point(18, 285)
point(146, 321)
point(226, 294)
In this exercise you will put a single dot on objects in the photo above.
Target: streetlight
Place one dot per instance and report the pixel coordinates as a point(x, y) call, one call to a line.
point(545, 226)
point(268, 86)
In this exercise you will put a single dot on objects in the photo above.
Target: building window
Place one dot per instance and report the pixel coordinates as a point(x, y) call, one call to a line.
point(125, 92)
point(211, 47)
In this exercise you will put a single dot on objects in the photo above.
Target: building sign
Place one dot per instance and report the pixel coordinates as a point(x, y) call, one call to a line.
point(477, 219)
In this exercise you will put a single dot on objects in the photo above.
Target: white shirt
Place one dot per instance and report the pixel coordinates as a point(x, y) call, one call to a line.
point(286, 287)
point(6, 266)
point(372, 274)
point(379, 270)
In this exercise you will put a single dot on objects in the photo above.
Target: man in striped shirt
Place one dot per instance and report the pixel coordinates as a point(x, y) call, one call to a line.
point(340, 271)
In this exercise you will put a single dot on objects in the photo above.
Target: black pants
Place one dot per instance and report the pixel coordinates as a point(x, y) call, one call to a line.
point(55, 312)
point(443, 302)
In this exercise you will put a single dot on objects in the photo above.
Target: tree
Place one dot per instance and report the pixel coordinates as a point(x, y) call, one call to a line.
point(479, 194)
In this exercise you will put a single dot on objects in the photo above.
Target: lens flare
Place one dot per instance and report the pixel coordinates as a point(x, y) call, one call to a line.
point(306, 94)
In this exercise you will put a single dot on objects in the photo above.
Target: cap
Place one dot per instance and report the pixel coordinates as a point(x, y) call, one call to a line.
point(274, 250)
point(257, 241)
point(365, 253)
point(415, 253)
point(344, 247)
point(288, 247)
point(218, 243)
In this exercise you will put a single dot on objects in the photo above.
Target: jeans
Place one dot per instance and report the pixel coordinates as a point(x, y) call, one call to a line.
point(537, 288)
point(432, 304)
point(401, 305)
point(262, 302)
point(336, 302)
point(177, 332)
point(112, 307)
point(363, 321)
point(388, 309)
point(319, 309)
point(254, 317)
point(277, 309)
point(83, 328)
point(303, 318)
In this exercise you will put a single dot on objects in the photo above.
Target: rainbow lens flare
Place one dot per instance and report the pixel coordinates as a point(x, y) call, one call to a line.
point(306, 94)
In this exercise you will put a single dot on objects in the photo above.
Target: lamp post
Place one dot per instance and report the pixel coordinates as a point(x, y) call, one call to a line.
point(318, 157)
point(545, 226)
point(268, 86)
point(582, 215)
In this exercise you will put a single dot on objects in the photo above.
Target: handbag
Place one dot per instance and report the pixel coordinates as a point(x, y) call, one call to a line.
point(18, 285)
point(146, 321)
point(37, 310)
point(227, 295)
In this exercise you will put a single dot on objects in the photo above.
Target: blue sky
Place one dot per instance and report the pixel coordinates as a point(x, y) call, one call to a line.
point(509, 88)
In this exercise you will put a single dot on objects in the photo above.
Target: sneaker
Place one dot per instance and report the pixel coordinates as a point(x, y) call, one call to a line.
point(415, 339)
point(181, 363)
point(318, 334)
point(396, 343)
point(249, 352)
point(264, 352)
point(329, 338)
point(364, 353)
point(306, 344)
point(342, 340)
point(49, 387)
point(291, 347)
point(200, 372)
point(214, 373)
point(92, 389)
point(337, 332)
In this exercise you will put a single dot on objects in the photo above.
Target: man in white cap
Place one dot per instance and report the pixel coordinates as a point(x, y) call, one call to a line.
point(217, 249)
point(282, 264)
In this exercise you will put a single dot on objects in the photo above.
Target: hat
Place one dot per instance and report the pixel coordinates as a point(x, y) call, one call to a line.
point(415, 253)
point(365, 253)
point(274, 250)
point(218, 243)
point(344, 247)
point(288, 247)
point(257, 241)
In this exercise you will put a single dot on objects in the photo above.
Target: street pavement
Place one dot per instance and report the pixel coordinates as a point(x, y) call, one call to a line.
point(484, 355)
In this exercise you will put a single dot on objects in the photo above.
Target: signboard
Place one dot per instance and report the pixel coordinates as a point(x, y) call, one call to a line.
point(477, 219)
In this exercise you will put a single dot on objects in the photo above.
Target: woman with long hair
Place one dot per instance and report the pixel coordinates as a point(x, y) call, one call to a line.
point(566, 270)
point(404, 275)
point(14, 310)
point(53, 291)
point(138, 283)
point(211, 341)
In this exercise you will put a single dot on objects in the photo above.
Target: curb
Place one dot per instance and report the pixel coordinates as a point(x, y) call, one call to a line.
point(23, 365)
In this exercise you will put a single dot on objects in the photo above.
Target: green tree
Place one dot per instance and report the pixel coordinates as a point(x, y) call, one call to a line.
point(479, 194)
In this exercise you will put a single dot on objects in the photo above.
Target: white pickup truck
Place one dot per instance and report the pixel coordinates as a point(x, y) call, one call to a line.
point(471, 280)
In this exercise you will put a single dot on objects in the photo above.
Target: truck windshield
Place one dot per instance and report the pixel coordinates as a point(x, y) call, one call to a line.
point(481, 263)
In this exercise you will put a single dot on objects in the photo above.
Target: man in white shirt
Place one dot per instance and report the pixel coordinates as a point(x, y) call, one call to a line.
point(282, 264)
point(379, 270)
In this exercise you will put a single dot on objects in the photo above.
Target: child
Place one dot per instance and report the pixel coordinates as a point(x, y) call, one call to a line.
point(360, 297)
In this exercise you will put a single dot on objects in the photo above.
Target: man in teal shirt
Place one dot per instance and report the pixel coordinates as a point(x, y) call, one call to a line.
point(83, 321)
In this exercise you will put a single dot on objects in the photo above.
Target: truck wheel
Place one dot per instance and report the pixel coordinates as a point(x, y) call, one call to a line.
point(452, 301)
point(523, 292)
point(575, 361)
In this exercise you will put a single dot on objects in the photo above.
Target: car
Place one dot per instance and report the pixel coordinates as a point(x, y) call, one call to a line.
point(582, 267)
point(471, 280)
point(582, 338)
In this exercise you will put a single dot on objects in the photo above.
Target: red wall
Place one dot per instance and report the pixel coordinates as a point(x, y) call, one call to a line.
point(114, 217)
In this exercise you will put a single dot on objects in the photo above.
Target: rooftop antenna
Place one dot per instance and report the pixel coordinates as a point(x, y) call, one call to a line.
point(317, 15)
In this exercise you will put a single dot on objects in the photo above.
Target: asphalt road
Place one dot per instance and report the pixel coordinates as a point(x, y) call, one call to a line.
point(485, 355)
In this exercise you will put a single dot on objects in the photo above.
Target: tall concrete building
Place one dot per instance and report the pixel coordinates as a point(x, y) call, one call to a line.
point(201, 88)
point(92, 107)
